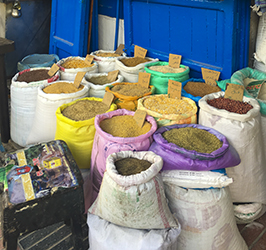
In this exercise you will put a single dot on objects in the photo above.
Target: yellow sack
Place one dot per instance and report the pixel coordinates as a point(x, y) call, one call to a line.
point(78, 135)
point(127, 102)
point(167, 111)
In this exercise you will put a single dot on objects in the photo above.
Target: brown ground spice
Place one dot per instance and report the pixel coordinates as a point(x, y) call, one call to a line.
point(99, 80)
point(130, 89)
point(34, 76)
point(200, 88)
point(191, 138)
point(61, 87)
point(230, 105)
point(134, 61)
point(131, 166)
point(106, 54)
point(124, 126)
point(84, 110)
point(75, 63)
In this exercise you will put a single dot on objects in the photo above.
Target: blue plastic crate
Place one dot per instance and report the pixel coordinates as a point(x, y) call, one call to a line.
point(211, 34)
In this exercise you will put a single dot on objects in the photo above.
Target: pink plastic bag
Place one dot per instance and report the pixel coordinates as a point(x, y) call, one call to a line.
point(105, 144)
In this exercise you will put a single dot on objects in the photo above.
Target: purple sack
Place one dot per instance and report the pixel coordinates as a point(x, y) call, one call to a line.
point(175, 157)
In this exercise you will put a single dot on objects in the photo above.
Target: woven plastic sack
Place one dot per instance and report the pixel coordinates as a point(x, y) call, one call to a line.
point(44, 126)
point(175, 157)
point(170, 119)
point(103, 235)
point(105, 144)
point(127, 102)
point(106, 64)
point(97, 90)
point(160, 80)
point(70, 74)
point(23, 104)
point(78, 135)
point(135, 201)
point(243, 132)
point(206, 217)
point(131, 74)
point(197, 179)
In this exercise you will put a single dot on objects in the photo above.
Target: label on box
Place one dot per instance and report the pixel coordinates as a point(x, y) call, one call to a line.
point(210, 76)
point(174, 89)
point(53, 69)
point(234, 92)
point(144, 79)
point(120, 49)
point(89, 59)
point(174, 60)
point(139, 51)
point(112, 75)
point(139, 117)
point(78, 79)
point(108, 98)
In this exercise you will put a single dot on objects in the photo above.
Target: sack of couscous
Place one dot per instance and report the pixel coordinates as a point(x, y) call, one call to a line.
point(168, 111)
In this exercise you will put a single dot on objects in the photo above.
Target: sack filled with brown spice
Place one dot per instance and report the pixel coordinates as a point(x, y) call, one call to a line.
point(127, 94)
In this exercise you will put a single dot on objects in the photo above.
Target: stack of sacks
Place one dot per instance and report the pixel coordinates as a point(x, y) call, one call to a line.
point(131, 204)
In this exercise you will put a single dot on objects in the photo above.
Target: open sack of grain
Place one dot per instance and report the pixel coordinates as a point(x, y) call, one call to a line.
point(23, 93)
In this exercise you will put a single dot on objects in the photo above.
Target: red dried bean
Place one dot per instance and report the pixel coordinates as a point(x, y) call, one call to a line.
point(230, 105)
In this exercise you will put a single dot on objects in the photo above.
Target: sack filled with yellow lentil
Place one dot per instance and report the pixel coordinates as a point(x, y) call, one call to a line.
point(127, 94)
point(75, 126)
point(70, 66)
point(117, 131)
point(193, 147)
point(167, 111)
point(161, 73)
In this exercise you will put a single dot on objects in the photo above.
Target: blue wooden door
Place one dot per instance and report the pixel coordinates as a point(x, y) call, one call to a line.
point(207, 33)
point(69, 27)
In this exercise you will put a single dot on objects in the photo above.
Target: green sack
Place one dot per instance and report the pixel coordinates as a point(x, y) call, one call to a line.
point(252, 80)
point(160, 80)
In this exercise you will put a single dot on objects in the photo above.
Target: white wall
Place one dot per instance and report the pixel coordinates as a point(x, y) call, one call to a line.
point(106, 32)
point(2, 20)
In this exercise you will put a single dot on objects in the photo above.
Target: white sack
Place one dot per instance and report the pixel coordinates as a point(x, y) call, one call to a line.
point(196, 179)
point(104, 235)
point(206, 217)
point(44, 125)
point(23, 97)
point(135, 201)
point(243, 131)
point(131, 74)
point(96, 90)
point(70, 74)
point(106, 64)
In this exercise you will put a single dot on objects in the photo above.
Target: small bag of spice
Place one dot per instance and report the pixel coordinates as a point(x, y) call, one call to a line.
point(70, 66)
point(106, 59)
point(127, 94)
point(195, 89)
point(129, 67)
point(193, 147)
point(98, 82)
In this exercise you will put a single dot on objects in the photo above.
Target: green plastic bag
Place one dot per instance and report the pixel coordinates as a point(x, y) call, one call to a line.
point(160, 80)
point(252, 80)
